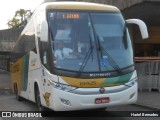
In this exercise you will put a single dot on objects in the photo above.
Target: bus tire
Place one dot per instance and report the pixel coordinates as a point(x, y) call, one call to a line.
point(19, 98)
point(38, 99)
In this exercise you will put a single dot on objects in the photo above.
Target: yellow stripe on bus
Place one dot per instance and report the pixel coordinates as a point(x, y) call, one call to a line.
point(84, 83)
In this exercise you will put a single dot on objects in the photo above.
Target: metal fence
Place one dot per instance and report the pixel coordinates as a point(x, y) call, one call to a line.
point(148, 75)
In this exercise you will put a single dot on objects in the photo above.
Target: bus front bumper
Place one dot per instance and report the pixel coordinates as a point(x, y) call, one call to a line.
point(66, 101)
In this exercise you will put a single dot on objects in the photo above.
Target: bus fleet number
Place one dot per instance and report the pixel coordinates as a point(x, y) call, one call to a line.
point(87, 83)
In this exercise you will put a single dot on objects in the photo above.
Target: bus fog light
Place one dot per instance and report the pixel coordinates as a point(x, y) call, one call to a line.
point(66, 102)
point(131, 96)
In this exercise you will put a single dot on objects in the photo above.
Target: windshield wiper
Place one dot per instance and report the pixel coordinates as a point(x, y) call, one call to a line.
point(109, 58)
point(86, 57)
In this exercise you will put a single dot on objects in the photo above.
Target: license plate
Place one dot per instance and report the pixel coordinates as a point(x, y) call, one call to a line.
point(102, 100)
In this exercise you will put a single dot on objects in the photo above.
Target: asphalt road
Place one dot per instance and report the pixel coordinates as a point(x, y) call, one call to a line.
point(8, 102)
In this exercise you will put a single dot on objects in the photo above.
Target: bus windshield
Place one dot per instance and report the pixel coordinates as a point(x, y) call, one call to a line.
point(86, 42)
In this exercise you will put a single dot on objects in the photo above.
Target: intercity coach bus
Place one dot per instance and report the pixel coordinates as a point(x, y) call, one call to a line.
point(76, 56)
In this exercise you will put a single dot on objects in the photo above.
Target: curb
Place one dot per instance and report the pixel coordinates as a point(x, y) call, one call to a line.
point(6, 91)
point(148, 106)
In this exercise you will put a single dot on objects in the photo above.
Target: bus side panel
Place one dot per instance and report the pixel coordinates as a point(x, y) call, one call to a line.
point(34, 75)
point(16, 76)
point(25, 65)
point(24, 76)
point(19, 75)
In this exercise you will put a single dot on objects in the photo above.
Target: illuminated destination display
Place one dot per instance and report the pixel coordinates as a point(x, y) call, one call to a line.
point(71, 16)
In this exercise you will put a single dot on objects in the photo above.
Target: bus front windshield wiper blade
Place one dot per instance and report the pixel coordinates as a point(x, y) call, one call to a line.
point(90, 51)
point(109, 58)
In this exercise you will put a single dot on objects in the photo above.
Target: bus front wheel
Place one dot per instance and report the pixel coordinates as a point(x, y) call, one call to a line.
point(38, 99)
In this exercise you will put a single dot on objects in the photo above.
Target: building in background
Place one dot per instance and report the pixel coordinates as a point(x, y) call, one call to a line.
point(8, 39)
point(149, 12)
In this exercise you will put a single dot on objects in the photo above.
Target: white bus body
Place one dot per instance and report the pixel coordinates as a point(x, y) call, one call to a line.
point(103, 76)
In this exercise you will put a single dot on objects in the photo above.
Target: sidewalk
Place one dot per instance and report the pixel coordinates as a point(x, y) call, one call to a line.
point(5, 82)
point(149, 99)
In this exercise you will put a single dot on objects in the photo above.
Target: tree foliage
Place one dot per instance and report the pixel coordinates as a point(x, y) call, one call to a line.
point(20, 18)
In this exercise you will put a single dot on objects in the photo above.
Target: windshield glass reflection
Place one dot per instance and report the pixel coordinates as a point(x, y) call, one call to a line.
point(89, 42)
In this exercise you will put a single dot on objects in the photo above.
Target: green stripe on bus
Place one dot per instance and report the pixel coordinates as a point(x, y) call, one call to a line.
point(118, 80)
point(25, 65)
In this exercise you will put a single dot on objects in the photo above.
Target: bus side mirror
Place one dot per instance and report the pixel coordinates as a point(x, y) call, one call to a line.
point(44, 31)
point(142, 26)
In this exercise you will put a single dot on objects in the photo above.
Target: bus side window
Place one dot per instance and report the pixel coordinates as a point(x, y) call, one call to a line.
point(44, 54)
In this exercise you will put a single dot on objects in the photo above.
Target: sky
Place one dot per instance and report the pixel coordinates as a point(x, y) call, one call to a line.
point(9, 7)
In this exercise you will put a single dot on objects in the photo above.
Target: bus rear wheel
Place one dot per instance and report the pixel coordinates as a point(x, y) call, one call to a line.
point(19, 98)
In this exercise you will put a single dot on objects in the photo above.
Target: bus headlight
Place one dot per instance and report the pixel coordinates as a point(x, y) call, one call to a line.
point(131, 82)
point(63, 87)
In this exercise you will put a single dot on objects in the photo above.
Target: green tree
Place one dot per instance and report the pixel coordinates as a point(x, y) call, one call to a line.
point(23, 14)
point(19, 19)
point(14, 23)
